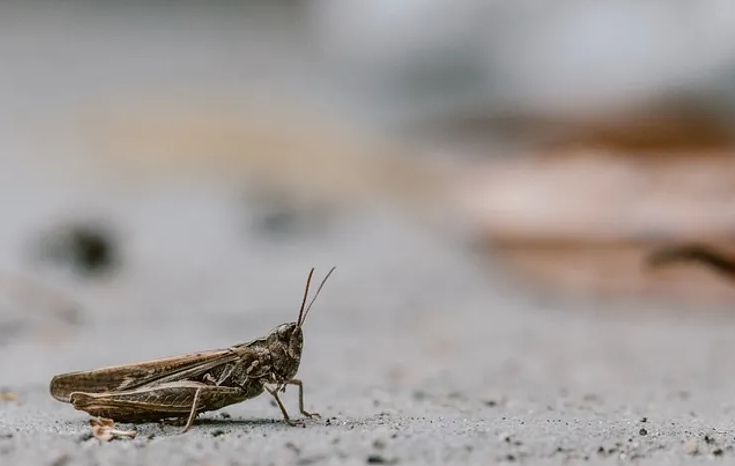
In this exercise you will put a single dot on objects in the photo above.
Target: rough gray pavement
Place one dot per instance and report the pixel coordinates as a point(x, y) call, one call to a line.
point(412, 356)
point(415, 353)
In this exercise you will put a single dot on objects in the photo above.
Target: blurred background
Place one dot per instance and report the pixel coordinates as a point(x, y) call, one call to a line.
point(157, 155)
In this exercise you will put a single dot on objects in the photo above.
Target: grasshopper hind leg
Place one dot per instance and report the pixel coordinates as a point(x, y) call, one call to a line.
point(175, 400)
point(193, 413)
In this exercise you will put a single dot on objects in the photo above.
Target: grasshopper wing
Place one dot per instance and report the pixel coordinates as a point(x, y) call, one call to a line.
point(131, 376)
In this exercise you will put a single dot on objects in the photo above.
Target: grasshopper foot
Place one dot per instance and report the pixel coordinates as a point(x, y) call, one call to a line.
point(185, 428)
point(311, 415)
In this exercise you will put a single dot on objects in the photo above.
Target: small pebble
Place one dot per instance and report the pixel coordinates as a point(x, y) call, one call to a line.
point(376, 459)
point(691, 447)
point(62, 460)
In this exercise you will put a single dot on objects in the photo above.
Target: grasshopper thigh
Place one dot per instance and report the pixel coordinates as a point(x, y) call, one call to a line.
point(170, 400)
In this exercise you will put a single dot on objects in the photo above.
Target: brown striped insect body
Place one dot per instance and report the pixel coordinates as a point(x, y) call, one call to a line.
point(181, 387)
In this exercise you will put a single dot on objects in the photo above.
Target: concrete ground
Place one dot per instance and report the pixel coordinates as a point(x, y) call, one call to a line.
point(415, 352)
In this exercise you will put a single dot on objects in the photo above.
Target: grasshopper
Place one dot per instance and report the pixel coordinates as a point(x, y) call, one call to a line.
point(181, 387)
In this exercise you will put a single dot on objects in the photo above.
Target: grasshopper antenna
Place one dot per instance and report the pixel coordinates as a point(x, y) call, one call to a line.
point(316, 294)
point(303, 302)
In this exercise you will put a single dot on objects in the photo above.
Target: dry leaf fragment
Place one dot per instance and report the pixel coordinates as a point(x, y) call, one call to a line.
point(9, 396)
point(104, 429)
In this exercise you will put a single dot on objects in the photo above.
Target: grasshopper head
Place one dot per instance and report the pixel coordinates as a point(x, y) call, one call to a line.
point(286, 342)
point(289, 337)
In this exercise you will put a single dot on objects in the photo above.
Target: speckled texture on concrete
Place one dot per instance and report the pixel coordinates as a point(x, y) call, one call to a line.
point(412, 355)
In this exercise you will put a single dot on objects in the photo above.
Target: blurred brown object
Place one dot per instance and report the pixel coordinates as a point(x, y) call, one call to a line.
point(610, 270)
point(582, 214)
point(304, 156)
point(577, 215)
point(9, 396)
point(672, 128)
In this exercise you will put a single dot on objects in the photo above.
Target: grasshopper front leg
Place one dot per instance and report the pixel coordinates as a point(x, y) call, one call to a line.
point(286, 417)
point(300, 384)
